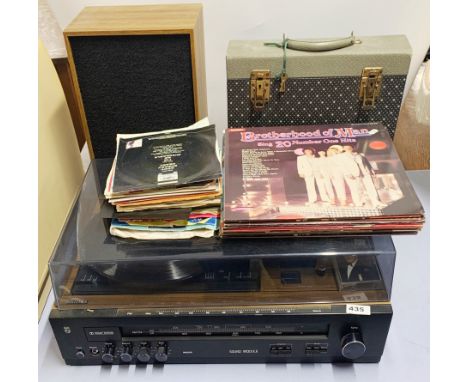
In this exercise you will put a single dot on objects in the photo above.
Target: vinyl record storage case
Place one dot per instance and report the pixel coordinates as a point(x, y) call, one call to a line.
point(137, 69)
point(362, 80)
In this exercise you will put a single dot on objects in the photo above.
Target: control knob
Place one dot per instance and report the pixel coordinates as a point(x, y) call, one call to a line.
point(352, 345)
point(161, 353)
point(126, 355)
point(143, 354)
point(108, 355)
point(80, 354)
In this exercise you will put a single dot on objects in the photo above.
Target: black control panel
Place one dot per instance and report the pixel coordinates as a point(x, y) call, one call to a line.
point(116, 337)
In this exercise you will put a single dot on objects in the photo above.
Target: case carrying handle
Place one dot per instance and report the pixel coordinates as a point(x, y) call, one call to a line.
point(316, 45)
point(310, 46)
point(322, 45)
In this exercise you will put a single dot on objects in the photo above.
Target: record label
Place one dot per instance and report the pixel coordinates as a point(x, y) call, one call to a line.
point(168, 178)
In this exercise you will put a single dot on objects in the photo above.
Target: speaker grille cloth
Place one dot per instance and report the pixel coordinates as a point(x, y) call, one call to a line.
point(133, 84)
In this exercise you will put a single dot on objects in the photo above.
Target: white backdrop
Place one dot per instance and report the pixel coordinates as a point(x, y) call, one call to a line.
point(269, 19)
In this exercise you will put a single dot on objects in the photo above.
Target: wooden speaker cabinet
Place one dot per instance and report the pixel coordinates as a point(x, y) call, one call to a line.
point(136, 69)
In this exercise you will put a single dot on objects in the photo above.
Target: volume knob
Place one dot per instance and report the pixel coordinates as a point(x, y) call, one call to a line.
point(108, 355)
point(352, 345)
point(161, 354)
point(143, 355)
point(126, 355)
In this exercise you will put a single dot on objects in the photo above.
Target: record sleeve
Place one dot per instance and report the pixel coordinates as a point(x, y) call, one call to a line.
point(167, 159)
point(316, 174)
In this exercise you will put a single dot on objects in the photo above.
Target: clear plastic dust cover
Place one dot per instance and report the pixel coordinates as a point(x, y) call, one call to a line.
point(92, 269)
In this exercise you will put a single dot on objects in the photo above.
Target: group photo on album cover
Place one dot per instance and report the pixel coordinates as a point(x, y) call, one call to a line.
point(338, 175)
point(309, 172)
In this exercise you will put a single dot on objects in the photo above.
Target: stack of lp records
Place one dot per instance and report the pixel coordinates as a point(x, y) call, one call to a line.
point(316, 180)
point(170, 171)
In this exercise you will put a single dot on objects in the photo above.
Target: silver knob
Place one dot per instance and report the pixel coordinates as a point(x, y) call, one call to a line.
point(352, 345)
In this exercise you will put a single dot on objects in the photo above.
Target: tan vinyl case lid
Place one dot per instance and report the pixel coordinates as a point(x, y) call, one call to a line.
point(393, 53)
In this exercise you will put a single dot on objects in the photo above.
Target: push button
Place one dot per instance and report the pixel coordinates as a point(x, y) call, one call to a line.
point(316, 348)
point(281, 349)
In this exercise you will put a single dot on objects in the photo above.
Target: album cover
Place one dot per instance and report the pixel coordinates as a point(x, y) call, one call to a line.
point(305, 173)
point(170, 159)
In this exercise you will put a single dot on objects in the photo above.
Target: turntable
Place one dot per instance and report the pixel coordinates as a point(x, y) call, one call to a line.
point(123, 301)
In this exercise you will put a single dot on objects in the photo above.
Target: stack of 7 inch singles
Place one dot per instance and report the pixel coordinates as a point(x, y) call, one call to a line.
point(166, 184)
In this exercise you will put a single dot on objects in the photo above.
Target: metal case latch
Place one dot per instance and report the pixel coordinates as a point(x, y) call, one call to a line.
point(371, 83)
point(259, 88)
